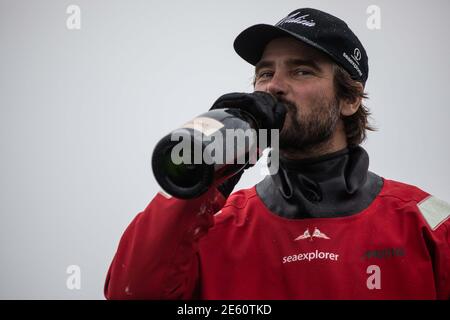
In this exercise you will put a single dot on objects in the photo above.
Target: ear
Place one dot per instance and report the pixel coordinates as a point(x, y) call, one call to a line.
point(349, 107)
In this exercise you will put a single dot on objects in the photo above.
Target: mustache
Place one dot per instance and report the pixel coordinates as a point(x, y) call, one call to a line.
point(290, 106)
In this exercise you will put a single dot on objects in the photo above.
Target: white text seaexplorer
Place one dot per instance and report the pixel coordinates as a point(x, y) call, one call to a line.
point(311, 256)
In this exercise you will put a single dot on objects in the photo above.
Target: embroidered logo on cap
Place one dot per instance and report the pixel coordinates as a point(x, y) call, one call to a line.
point(356, 55)
point(293, 18)
point(353, 62)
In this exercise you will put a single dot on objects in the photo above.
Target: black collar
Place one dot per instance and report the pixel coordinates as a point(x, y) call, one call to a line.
point(336, 184)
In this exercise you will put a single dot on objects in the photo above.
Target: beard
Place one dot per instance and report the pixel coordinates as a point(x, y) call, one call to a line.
point(306, 133)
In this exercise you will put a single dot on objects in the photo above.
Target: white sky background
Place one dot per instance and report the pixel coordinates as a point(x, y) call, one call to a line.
point(81, 110)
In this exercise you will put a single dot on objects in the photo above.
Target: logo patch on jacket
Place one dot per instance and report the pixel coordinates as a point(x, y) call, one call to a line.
point(316, 234)
point(434, 211)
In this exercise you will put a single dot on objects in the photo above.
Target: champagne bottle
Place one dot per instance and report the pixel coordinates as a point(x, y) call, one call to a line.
point(211, 147)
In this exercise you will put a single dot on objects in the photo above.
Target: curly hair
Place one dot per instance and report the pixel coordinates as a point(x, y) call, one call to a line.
point(357, 124)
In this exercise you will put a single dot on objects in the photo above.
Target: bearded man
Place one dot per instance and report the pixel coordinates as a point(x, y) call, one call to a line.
point(323, 226)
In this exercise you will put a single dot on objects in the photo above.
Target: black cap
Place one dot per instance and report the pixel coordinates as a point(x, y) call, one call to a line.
point(319, 29)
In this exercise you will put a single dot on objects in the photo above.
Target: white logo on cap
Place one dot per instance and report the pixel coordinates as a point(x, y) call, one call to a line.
point(353, 62)
point(299, 20)
point(356, 55)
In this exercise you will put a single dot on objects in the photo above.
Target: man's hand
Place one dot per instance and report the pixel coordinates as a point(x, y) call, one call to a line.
point(227, 187)
point(267, 111)
point(264, 107)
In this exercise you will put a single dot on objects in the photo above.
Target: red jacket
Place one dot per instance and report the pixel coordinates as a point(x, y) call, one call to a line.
point(397, 248)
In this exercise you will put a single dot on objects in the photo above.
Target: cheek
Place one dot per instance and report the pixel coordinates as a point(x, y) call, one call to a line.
point(304, 93)
point(309, 96)
point(259, 87)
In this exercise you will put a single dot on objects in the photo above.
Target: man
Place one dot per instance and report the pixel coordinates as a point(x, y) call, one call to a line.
point(323, 226)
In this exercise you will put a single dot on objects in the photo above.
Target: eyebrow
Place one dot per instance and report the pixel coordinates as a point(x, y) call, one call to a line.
point(290, 62)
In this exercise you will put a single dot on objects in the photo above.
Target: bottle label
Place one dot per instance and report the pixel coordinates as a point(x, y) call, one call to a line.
point(205, 125)
point(164, 194)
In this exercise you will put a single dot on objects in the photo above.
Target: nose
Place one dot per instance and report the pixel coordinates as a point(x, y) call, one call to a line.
point(277, 86)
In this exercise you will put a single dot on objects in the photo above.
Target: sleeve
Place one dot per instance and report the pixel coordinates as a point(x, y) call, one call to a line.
point(437, 216)
point(157, 257)
point(441, 258)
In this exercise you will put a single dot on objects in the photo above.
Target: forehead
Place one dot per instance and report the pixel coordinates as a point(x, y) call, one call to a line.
point(285, 47)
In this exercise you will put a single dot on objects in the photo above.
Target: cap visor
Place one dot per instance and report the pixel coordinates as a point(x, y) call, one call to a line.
point(250, 43)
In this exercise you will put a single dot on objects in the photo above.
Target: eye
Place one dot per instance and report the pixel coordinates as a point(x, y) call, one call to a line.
point(302, 72)
point(264, 75)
